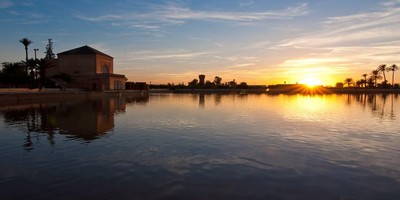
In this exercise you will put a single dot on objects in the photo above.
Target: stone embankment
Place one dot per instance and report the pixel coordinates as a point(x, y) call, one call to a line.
point(21, 95)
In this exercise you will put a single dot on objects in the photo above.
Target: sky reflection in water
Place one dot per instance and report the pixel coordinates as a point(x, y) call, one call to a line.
point(203, 146)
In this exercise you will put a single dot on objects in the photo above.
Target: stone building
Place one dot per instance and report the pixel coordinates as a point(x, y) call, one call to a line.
point(89, 69)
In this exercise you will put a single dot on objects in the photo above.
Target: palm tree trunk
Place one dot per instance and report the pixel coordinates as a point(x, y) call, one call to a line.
point(26, 58)
point(384, 77)
point(393, 78)
point(26, 54)
point(365, 83)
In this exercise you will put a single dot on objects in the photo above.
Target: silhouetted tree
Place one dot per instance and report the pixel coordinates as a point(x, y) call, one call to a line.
point(13, 73)
point(193, 82)
point(242, 85)
point(359, 83)
point(365, 79)
point(26, 42)
point(393, 68)
point(348, 81)
point(42, 65)
point(217, 80)
point(232, 83)
point(371, 82)
point(208, 84)
point(375, 76)
point(49, 50)
point(382, 68)
point(32, 69)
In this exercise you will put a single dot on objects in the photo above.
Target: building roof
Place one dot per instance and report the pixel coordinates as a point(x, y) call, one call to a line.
point(84, 50)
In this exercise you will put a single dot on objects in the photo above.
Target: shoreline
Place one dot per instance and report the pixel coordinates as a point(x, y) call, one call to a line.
point(20, 96)
point(25, 96)
point(316, 90)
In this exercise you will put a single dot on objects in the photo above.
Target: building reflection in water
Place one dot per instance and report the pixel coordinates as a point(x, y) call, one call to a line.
point(201, 100)
point(83, 119)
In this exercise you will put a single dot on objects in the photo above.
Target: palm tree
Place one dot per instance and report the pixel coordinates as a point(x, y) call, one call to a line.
point(375, 76)
point(382, 68)
point(365, 79)
point(393, 68)
point(370, 82)
point(26, 42)
point(348, 81)
point(359, 83)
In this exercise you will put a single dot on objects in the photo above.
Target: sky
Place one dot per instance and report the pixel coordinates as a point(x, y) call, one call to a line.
point(254, 41)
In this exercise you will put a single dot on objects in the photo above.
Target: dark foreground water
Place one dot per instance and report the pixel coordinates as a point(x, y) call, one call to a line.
point(195, 146)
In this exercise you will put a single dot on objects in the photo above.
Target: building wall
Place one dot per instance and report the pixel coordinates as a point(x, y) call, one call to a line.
point(79, 65)
point(92, 72)
point(104, 62)
point(117, 83)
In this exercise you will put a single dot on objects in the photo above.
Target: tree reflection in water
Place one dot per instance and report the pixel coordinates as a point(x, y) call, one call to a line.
point(377, 103)
point(83, 119)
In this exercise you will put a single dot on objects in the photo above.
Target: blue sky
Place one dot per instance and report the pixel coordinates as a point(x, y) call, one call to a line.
point(260, 42)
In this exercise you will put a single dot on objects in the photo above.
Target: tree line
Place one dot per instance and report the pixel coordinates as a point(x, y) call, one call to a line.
point(196, 84)
point(371, 80)
point(30, 72)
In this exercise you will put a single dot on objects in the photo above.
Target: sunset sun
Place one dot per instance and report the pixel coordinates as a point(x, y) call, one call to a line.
point(312, 81)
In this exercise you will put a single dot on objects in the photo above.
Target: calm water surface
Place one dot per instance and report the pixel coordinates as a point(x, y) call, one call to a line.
point(203, 146)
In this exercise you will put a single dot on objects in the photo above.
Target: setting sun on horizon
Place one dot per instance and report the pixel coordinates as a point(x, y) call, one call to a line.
point(311, 81)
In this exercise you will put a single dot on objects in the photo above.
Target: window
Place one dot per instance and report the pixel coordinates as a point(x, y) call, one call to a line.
point(104, 69)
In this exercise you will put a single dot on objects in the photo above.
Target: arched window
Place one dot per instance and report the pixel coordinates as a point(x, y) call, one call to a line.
point(104, 69)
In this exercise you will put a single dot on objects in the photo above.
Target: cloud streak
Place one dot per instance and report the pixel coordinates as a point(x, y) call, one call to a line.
point(359, 40)
point(367, 27)
point(173, 14)
point(171, 55)
point(5, 4)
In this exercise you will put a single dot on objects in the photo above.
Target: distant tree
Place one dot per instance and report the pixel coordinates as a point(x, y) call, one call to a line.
point(193, 82)
point(371, 82)
point(26, 42)
point(42, 65)
point(13, 73)
point(242, 85)
point(49, 50)
point(365, 79)
point(393, 68)
point(32, 66)
point(232, 84)
point(382, 68)
point(375, 76)
point(348, 81)
point(208, 84)
point(363, 83)
point(359, 83)
point(217, 80)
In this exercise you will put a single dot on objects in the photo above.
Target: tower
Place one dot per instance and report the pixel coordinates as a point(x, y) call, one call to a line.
point(201, 79)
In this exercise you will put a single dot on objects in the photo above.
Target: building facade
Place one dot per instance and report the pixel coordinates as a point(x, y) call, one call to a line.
point(89, 69)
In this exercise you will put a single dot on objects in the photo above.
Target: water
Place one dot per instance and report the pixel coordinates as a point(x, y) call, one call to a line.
point(203, 146)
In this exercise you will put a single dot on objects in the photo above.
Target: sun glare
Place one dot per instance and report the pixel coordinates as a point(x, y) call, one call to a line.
point(312, 81)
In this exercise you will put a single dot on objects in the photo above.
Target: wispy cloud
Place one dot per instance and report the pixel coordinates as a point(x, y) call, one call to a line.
point(6, 4)
point(359, 40)
point(248, 3)
point(172, 54)
point(172, 14)
point(367, 27)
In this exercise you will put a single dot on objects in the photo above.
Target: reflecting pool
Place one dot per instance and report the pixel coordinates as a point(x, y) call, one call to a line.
point(202, 146)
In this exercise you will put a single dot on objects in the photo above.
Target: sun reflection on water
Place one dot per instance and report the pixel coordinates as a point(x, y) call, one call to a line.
point(307, 107)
